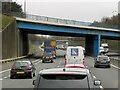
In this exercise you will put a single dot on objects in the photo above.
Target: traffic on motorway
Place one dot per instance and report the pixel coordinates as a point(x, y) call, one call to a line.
point(72, 70)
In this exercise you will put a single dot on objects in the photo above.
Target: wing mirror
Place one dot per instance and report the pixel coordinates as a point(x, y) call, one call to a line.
point(97, 82)
point(33, 82)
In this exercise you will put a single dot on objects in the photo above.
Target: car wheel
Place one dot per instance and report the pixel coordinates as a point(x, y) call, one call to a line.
point(95, 66)
point(11, 76)
point(108, 66)
point(51, 61)
point(31, 75)
point(42, 61)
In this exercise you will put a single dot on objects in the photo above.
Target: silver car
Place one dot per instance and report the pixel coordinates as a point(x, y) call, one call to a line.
point(68, 78)
point(102, 60)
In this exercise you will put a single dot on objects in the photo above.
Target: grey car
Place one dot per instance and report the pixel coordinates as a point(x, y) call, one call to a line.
point(102, 60)
point(69, 78)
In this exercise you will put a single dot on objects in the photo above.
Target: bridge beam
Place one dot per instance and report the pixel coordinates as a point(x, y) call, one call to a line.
point(92, 45)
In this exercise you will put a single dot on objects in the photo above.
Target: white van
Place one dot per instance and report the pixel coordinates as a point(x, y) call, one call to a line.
point(74, 55)
point(106, 47)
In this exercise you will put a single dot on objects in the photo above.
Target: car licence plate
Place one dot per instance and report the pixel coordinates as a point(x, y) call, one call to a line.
point(103, 61)
point(20, 72)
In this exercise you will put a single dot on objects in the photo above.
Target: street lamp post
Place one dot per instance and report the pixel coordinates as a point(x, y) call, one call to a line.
point(25, 6)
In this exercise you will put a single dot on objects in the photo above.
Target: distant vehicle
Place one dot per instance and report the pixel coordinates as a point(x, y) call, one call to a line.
point(74, 55)
point(102, 50)
point(22, 68)
point(106, 47)
point(68, 78)
point(75, 66)
point(47, 57)
point(50, 47)
point(102, 60)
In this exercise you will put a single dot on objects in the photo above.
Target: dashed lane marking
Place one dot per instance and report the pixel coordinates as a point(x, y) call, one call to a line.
point(38, 62)
point(9, 76)
point(5, 77)
point(94, 77)
point(101, 87)
point(1, 79)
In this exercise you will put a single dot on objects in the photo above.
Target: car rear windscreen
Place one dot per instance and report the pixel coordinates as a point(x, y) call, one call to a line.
point(63, 81)
point(17, 64)
point(63, 77)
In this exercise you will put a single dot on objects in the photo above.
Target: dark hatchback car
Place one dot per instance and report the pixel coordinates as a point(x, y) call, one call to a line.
point(102, 60)
point(22, 68)
point(68, 78)
point(47, 57)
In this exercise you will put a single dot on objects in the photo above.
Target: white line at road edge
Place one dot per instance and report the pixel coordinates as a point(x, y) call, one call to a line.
point(5, 71)
point(115, 66)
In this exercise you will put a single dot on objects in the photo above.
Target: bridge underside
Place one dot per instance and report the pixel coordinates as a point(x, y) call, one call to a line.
point(92, 40)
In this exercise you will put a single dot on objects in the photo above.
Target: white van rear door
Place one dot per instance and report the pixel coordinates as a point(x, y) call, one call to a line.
point(74, 55)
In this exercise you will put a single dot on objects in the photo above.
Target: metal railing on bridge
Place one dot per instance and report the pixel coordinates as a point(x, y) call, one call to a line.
point(62, 21)
point(51, 19)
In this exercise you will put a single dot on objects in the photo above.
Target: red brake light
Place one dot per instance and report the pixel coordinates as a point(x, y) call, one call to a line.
point(83, 61)
point(12, 68)
point(28, 68)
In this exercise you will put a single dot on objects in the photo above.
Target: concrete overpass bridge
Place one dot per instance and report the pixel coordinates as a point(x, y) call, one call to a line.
point(62, 27)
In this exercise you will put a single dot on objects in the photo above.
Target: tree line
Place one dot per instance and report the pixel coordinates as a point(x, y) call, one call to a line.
point(109, 21)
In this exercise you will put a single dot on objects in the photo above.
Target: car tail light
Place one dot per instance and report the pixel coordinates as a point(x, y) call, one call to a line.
point(28, 68)
point(83, 61)
point(108, 59)
point(12, 68)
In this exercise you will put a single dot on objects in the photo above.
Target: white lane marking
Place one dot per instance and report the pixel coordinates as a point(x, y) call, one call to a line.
point(5, 70)
point(38, 62)
point(58, 66)
point(1, 79)
point(101, 87)
point(115, 66)
point(8, 75)
point(5, 77)
point(94, 77)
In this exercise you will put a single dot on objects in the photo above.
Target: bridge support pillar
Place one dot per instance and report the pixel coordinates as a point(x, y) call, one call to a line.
point(92, 45)
point(96, 45)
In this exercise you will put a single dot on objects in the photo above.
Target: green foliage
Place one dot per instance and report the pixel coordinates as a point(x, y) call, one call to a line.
point(5, 20)
point(15, 7)
point(111, 22)
point(8, 7)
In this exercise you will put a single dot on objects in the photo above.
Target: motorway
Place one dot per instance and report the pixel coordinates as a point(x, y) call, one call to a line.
point(108, 76)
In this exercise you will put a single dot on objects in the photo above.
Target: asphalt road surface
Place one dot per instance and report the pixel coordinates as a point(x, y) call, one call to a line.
point(108, 76)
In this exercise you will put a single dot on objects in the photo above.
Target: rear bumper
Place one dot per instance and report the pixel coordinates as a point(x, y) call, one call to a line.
point(49, 59)
point(102, 64)
point(20, 73)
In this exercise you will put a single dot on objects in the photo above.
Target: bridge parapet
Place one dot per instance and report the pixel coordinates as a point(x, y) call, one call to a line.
point(51, 19)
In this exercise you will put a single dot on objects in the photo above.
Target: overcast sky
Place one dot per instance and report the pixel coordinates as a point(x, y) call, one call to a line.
point(72, 9)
